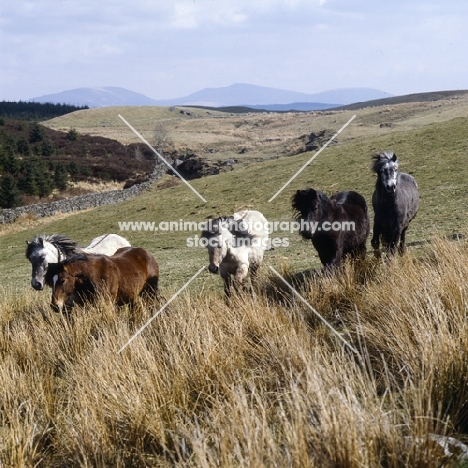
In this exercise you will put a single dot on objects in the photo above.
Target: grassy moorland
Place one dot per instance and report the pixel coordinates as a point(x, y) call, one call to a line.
point(435, 154)
point(260, 381)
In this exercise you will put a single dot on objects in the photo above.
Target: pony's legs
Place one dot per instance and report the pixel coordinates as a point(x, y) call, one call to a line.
point(254, 275)
point(227, 286)
point(360, 252)
point(393, 244)
point(375, 241)
point(234, 282)
point(337, 257)
point(402, 246)
point(363, 250)
point(241, 273)
point(151, 288)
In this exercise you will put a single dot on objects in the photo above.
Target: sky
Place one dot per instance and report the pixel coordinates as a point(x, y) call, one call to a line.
point(171, 48)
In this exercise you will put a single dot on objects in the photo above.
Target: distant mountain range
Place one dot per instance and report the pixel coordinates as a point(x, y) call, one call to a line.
point(239, 94)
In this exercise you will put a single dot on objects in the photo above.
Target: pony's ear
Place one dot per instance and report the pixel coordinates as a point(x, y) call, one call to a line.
point(394, 157)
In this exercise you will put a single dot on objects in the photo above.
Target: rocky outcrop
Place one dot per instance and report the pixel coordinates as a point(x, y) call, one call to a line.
point(311, 142)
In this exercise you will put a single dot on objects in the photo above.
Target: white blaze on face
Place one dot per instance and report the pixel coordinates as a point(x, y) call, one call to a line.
point(389, 174)
point(59, 302)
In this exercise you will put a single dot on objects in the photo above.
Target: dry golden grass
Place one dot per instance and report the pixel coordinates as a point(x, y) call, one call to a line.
point(258, 382)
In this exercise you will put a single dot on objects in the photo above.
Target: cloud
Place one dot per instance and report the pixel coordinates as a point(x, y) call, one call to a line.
point(191, 14)
point(171, 48)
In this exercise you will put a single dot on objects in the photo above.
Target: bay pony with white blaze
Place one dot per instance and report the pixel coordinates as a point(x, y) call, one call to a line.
point(122, 277)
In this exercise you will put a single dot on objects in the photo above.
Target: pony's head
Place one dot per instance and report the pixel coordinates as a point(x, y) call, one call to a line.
point(45, 250)
point(37, 254)
point(307, 208)
point(216, 236)
point(67, 281)
point(385, 165)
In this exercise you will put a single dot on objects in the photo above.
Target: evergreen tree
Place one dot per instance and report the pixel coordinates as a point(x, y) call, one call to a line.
point(47, 148)
point(73, 135)
point(10, 196)
point(3, 158)
point(45, 184)
point(61, 177)
point(36, 133)
point(28, 182)
point(73, 169)
point(36, 179)
point(23, 147)
point(85, 171)
point(10, 142)
point(11, 163)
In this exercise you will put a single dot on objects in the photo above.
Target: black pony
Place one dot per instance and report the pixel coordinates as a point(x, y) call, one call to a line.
point(337, 226)
point(395, 202)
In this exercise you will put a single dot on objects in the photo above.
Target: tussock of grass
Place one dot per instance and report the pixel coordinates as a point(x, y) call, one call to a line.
point(256, 382)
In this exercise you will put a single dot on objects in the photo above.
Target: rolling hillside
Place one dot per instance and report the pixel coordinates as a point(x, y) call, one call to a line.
point(245, 138)
point(430, 140)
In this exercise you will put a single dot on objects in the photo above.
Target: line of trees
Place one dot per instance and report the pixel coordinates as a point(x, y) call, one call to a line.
point(35, 110)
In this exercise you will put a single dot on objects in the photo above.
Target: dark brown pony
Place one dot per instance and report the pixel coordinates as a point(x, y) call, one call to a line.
point(122, 277)
point(337, 226)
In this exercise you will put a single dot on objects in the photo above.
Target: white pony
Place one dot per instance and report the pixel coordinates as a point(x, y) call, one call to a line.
point(235, 246)
point(43, 250)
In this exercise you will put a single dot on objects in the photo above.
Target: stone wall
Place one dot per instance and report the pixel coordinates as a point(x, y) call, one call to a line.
point(81, 202)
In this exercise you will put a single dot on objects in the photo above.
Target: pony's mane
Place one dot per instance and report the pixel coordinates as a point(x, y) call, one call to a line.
point(56, 268)
point(64, 243)
point(380, 159)
point(212, 227)
point(301, 200)
point(81, 256)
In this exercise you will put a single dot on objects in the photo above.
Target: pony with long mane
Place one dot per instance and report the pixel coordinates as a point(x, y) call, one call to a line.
point(236, 245)
point(47, 249)
point(129, 273)
point(337, 226)
point(395, 202)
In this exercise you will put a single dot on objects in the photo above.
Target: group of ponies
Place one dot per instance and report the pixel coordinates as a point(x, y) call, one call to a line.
point(109, 266)
point(232, 251)
point(236, 244)
point(395, 202)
